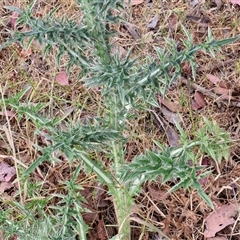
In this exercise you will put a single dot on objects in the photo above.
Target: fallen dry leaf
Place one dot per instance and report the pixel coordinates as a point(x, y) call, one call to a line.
point(8, 113)
point(5, 186)
point(219, 219)
point(219, 4)
point(172, 22)
point(13, 19)
point(62, 78)
point(156, 195)
point(235, 1)
point(153, 22)
point(205, 161)
point(101, 233)
point(193, 3)
point(171, 116)
point(194, 105)
point(199, 101)
point(133, 2)
point(90, 217)
point(172, 135)
point(222, 91)
point(6, 172)
point(172, 106)
point(216, 81)
point(199, 98)
point(131, 29)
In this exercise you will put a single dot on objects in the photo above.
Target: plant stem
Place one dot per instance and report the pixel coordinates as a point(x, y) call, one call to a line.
point(122, 199)
point(123, 205)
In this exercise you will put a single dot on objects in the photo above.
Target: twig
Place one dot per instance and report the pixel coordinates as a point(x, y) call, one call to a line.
point(132, 31)
point(150, 226)
point(218, 65)
point(209, 93)
point(172, 136)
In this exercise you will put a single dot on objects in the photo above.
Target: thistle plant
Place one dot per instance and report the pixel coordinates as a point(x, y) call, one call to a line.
point(124, 86)
point(181, 163)
point(62, 225)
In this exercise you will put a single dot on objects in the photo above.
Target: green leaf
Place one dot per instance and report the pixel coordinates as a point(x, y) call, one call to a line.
point(206, 198)
point(14, 9)
point(177, 186)
point(96, 169)
point(223, 42)
point(35, 164)
point(188, 34)
point(160, 145)
point(205, 174)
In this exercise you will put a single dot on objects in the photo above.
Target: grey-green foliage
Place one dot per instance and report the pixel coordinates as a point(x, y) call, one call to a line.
point(123, 85)
point(171, 164)
point(181, 163)
point(87, 44)
point(45, 228)
point(32, 221)
point(213, 141)
point(69, 209)
point(72, 37)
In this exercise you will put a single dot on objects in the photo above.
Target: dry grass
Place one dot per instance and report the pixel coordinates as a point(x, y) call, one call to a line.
point(181, 214)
